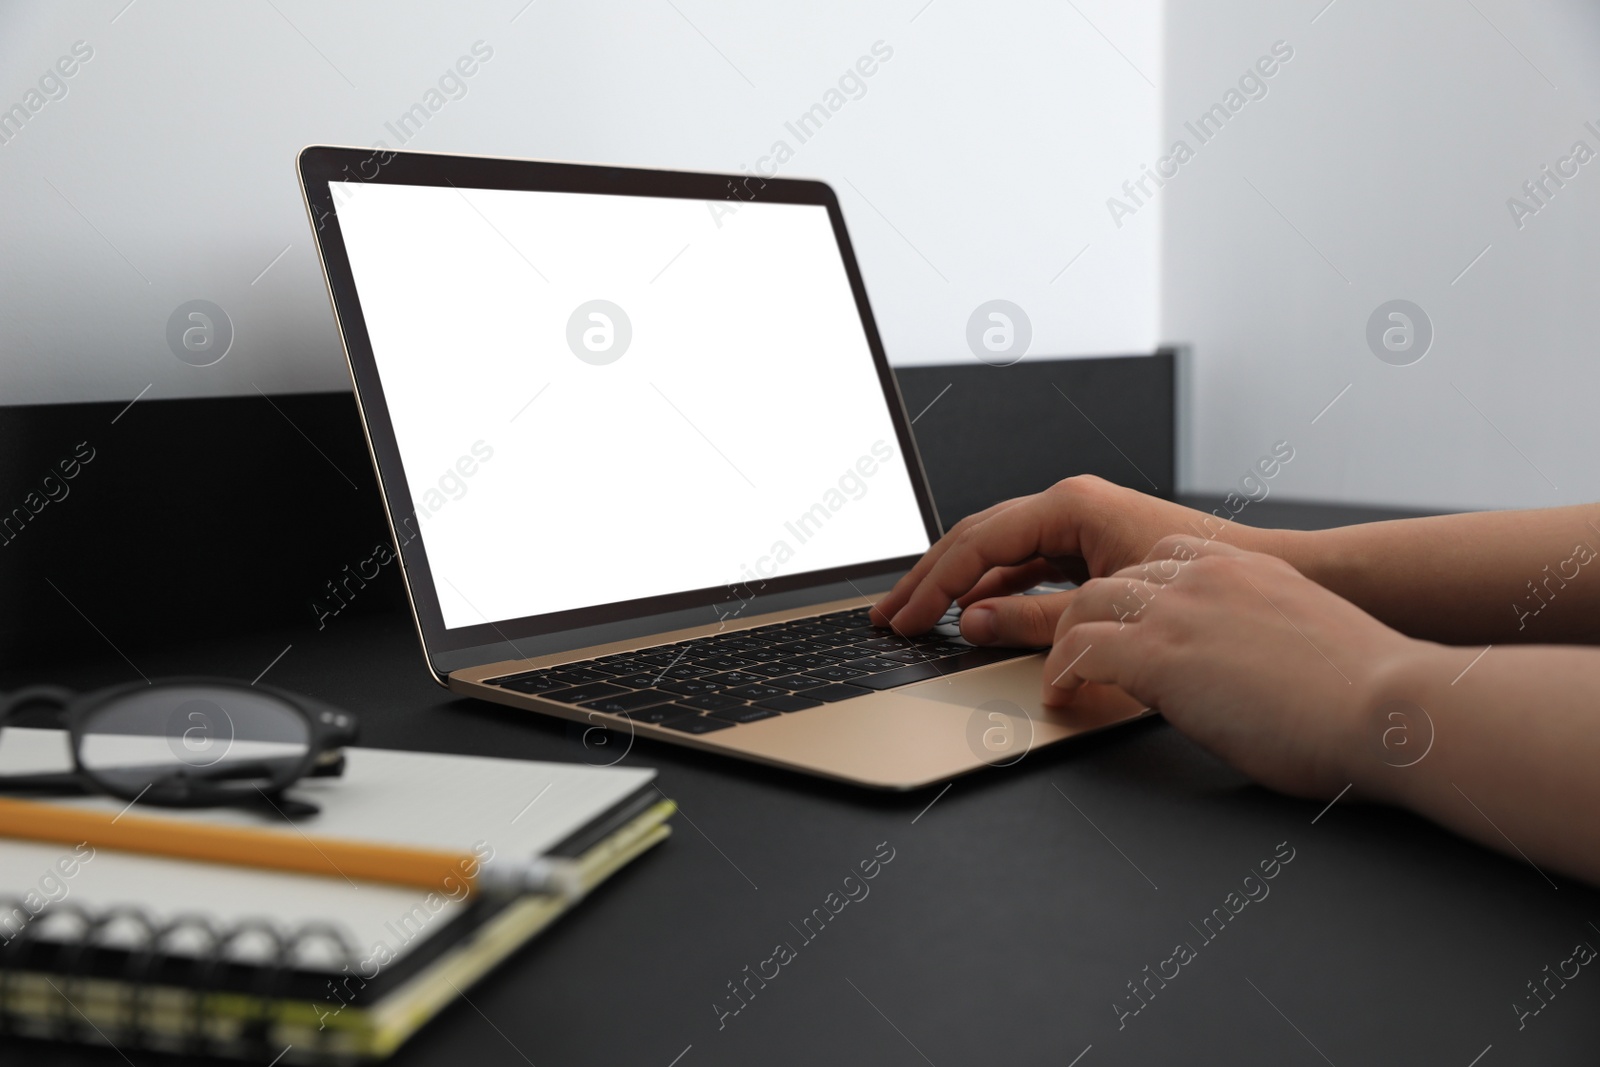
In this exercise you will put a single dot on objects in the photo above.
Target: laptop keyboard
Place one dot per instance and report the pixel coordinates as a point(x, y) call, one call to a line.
point(741, 676)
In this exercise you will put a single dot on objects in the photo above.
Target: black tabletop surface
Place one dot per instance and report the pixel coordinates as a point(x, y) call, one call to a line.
point(1020, 909)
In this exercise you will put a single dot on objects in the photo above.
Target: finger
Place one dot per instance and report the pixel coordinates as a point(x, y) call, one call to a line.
point(1103, 652)
point(1167, 558)
point(1034, 526)
point(1015, 621)
point(1120, 599)
point(896, 598)
point(1157, 569)
point(1003, 581)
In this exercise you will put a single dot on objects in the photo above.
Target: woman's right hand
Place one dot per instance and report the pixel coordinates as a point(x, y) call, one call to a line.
point(1080, 528)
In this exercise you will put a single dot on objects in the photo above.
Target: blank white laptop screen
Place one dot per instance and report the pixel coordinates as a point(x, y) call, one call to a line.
point(602, 398)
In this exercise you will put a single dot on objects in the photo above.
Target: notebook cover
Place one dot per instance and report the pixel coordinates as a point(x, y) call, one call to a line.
point(319, 1028)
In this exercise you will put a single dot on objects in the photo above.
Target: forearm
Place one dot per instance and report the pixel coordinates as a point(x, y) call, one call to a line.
point(1480, 578)
point(1512, 749)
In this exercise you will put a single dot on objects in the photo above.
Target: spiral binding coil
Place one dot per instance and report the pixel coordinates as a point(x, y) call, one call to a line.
point(69, 969)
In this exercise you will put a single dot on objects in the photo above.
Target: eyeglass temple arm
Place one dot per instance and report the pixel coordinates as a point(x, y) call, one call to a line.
point(62, 783)
point(55, 783)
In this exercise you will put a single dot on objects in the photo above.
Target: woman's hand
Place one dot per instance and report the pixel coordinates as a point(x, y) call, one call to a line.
point(1077, 529)
point(1242, 653)
point(1277, 669)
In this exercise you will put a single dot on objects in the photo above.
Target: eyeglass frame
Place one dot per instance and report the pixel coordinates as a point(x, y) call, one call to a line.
point(329, 731)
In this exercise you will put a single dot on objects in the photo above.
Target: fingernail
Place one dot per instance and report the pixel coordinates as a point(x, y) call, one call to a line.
point(977, 625)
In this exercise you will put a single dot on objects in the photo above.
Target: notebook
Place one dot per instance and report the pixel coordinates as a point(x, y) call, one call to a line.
point(176, 954)
point(386, 807)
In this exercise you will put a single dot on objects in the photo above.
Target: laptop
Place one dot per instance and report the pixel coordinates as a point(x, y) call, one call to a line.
point(646, 465)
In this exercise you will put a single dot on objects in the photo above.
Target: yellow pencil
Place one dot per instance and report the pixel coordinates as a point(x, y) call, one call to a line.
point(241, 846)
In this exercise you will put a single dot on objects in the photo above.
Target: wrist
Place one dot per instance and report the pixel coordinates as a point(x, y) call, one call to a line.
point(1217, 526)
point(1392, 729)
point(1304, 550)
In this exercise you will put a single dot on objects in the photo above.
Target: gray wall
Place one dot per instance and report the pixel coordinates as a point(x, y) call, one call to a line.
point(976, 165)
point(972, 165)
point(1379, 167)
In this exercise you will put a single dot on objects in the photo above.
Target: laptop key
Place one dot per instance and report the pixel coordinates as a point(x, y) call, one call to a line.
point(739, 677)
point(917, 672)
point(744, 713)
point(910, 655)
point(811, 629)
point(613, 669)
point(761, 637)
point(884, 644)
point(788, 703)
point(580, 694)
point(836, 673)
point(697, 724)
point(723, 663)
point(822, 644)
point(646, 680)
point(700, 654)
point(834, 693)
point(873, 664)
point(769, 670)
point(686, 670)
point(691, 686)
point(712, 701)
point(576, 675)
point(660, 714)
point(978, 657)
point(791, 683)
point(756, 691)
point(533, 682)
point(635, 665)
point(636, 701)
point(921, 672)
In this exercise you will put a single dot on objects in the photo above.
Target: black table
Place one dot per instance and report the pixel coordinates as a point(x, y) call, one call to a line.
point(1019, 906)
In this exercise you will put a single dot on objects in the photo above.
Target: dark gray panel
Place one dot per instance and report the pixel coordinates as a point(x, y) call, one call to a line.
point(195, 516)
point(992, 433)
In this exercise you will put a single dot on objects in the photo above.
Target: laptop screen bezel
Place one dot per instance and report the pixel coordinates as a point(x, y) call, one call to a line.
point(320, 165)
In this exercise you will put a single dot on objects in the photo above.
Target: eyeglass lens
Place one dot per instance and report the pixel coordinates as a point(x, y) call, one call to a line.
point(181, 736)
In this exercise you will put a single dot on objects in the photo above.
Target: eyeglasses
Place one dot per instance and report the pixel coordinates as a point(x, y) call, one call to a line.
point(182, 742)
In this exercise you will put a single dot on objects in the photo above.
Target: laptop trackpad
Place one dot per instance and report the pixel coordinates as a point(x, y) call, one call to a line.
point(1015, 681)
point(1012, 689)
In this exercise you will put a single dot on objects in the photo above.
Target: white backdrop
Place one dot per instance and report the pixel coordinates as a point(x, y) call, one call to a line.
point(972, 165)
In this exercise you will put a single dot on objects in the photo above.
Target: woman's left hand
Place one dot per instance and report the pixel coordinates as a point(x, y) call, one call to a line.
point(1239, 651)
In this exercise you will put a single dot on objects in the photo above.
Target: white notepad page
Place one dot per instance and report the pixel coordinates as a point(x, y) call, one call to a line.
point(520, 808)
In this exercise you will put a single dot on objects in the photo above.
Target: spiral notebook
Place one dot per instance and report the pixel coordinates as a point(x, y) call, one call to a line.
point(148, 951)
point(389, 811)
